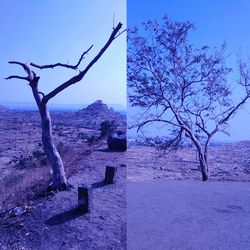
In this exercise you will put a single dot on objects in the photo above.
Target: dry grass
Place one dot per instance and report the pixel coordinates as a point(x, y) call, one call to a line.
point(33, 176)
point(20, 188)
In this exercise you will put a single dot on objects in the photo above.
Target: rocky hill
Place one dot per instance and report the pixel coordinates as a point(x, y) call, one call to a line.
point(97, 107)
point(97, 112)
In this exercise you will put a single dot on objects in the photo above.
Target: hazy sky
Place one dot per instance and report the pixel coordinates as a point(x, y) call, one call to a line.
point(51, 31)
point(216, 21)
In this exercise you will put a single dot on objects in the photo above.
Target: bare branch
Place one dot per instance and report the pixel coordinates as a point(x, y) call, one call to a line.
point(113, 20)
point(41, 93)
point(233, 111)
point(25, 67)
point(155, 120)
point(120, 33)
point(224, 132)
point(17, 77)
point(51, 66)
point(80, 76)
point(31, 74)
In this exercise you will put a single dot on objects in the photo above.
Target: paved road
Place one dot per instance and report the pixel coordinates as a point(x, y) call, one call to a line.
point(188, 215)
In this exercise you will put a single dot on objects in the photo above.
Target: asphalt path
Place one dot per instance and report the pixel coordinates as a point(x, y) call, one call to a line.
point(188, 215)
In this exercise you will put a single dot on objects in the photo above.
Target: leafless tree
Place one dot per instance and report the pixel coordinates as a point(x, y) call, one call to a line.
point(42, 99)
point(184, 87)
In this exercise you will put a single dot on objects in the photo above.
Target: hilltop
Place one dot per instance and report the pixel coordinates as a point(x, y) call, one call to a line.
point(98, 112)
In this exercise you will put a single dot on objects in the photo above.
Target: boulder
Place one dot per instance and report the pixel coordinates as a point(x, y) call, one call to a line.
point(117, 141)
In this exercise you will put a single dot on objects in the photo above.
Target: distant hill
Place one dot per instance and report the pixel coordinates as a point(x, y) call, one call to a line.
point(30, 106)
point(98, 112)
point(4, 109)
point(97, 107)
point(90, 117)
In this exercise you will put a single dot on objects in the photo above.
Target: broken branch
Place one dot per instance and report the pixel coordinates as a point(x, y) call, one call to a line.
point(51, 66)
point(30, 73)
point(17, 77)
point(79, 77)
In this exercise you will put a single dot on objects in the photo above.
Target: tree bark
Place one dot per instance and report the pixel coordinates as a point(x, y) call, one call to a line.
point(203, 167)
point(59, 179)
point(202, 158)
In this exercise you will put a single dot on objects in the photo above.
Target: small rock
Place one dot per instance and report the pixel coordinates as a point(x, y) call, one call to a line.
point(17, 211)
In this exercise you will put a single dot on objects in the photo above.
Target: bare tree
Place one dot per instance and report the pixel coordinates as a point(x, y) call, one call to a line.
point(181, 86)
point(59, 179)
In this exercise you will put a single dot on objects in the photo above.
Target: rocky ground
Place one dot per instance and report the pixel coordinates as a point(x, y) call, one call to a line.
point(20, 132)
point(227, 162)
point(53, 221)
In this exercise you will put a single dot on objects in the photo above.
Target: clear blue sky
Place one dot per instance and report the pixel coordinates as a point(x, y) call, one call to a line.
point(51, 31)
point(216, 21)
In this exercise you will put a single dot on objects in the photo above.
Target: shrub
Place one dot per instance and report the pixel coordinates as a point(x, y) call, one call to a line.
point(107, 127)
point(82, 135)
point(92, 140)
point(38, 154)
point(34, 160)
point(26, 162)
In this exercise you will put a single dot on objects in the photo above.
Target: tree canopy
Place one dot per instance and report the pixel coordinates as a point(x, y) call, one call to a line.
point(184, 87)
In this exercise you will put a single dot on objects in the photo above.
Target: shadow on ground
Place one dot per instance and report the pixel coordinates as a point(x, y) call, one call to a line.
point(73, 213)
point(107, 150)
point(64, 217)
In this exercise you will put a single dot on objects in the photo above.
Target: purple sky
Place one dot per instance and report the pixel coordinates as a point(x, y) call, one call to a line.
point(47, 32)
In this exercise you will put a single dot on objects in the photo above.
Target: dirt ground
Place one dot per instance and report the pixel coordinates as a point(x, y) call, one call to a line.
point(227, 162)
point(54, 222)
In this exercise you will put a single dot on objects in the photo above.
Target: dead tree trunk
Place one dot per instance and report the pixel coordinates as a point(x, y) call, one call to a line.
point(59, 179)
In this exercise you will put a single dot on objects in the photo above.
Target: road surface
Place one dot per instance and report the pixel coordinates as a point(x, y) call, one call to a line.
point(188, 215)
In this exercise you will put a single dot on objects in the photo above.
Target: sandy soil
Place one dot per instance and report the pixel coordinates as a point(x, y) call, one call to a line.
point(54, 222)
